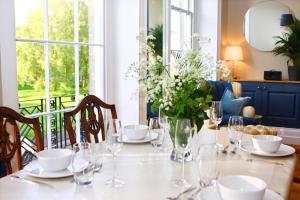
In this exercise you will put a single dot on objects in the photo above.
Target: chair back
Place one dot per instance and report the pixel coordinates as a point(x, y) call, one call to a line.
point(91, 118)
point(10, 138)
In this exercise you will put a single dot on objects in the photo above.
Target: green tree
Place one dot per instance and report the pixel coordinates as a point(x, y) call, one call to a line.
point(30, 56)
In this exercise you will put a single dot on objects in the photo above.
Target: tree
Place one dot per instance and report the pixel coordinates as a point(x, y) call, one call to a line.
point(30, 56)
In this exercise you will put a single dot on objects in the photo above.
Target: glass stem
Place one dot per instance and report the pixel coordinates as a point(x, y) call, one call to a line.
point(182, 167)
point(114, 167)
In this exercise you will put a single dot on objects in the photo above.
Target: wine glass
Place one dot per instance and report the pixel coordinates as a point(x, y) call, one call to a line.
point(183, 136)
point(216, 113)
point(207, 164)
point(114, 143)
point(155, 126)
point(82, 164)
point(235, 128)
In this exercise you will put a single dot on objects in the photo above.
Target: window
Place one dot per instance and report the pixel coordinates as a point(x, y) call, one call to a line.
point(181, 24)
point(59, 46)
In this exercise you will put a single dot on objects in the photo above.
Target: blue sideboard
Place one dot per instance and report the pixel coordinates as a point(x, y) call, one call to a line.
point(277, 101)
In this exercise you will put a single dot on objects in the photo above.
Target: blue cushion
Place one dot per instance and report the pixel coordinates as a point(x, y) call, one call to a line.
point(247, 120)
point(231, 105)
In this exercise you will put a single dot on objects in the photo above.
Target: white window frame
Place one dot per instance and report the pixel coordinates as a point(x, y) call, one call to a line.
point(76, 44)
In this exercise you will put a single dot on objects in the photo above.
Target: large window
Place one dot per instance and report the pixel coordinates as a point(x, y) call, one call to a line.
point(181, 24)
point(59, 59)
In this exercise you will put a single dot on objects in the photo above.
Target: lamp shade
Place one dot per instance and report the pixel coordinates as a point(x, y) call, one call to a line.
point(233, 53)
point(286, 19)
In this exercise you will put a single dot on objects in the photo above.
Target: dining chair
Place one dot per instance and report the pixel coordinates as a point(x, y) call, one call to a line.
point(91, 118)
point(10, 138)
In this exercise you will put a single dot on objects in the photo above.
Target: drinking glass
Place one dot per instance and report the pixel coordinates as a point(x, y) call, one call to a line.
point(207, 164)
point(235, 128)
point(82, 164)
point(97, 150)
point(114, 143)
point(158, 126)
point(216, 113)
point(183, 136)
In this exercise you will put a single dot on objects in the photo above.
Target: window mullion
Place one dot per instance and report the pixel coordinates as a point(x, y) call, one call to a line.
point(47, 74)
point(76, 58)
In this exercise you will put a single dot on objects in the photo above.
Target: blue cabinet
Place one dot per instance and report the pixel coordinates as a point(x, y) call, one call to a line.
point(278, 102)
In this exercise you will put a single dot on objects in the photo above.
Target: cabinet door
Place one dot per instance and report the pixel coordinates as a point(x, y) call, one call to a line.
point(281, 105)
point(253, 90)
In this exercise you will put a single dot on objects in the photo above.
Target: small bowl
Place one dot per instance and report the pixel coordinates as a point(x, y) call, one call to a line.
point(237, 187)
point(136, 132)
point(266, 143)
point(54, 159)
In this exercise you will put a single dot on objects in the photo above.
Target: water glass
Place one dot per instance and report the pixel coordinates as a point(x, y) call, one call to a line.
point(235, 128)
point(114, 143)
point(157, 126)
point(207, 164)
point(216, 113)
point(83, 164)
point(183, 137)
point(97, 150)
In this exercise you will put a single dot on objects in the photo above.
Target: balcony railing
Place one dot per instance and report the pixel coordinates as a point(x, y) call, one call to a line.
point(37, 108)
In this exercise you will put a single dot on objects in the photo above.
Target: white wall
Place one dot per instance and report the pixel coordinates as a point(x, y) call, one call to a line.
point(123, 25)
point(8, 72)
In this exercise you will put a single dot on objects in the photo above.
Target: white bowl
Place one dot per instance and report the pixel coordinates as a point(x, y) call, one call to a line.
point(266, 143)
point(54, 159)
point(136, 132)
point(240, 187)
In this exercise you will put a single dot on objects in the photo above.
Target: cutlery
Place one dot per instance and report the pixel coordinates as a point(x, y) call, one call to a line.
point(267, 161)
point(225, 149)
point(192, 197)
point(181, 193)
point(14, 176)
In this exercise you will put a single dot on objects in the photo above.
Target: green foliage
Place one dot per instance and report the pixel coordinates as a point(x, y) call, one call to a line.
point(30, 56)
point(157, 33)
point(289, 43)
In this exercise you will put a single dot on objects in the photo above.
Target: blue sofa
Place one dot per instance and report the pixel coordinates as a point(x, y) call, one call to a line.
point(217, 92)
point(218, 89)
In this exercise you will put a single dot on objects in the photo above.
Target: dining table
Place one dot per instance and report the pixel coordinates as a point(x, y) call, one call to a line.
point(149, 174)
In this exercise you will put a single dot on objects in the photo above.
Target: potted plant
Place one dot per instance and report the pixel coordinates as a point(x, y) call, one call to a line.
point(182, 92)
point(289, 45)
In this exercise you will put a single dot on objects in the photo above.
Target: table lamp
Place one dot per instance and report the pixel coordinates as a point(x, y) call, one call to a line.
point(234, 54)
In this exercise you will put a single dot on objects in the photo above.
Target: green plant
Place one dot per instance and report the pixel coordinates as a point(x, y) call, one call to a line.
point(289, 43)
point(157, 33)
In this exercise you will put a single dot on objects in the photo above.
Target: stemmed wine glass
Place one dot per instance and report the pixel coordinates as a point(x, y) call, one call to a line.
point(207, 164)
point(114, 143)
point(235, 128)
point(216, 113)
point(183, 136)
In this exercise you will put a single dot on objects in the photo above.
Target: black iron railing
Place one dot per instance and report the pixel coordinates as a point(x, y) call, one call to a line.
point(37, 108)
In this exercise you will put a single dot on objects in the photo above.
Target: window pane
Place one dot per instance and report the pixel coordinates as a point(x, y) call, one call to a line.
point(184, 4)
point(29, 19)
point(62, 76)
point(91, 70)
point(31, 77)
point(91, 21)
point(61, 20)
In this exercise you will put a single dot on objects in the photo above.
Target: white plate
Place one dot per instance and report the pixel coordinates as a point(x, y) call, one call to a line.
point(284, 150)
point(34, 169)
point(211, 194)
point(148, 138)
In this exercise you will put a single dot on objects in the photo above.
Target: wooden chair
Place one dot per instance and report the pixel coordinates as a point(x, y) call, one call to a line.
point(91, 118)
point(297, 169)
point(10, 143)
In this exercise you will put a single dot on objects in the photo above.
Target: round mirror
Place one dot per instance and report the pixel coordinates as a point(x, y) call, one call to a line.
point(262, 24)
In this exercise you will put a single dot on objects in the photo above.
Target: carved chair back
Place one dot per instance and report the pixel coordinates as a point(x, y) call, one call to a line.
point(10, 139)
point(91, 118)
